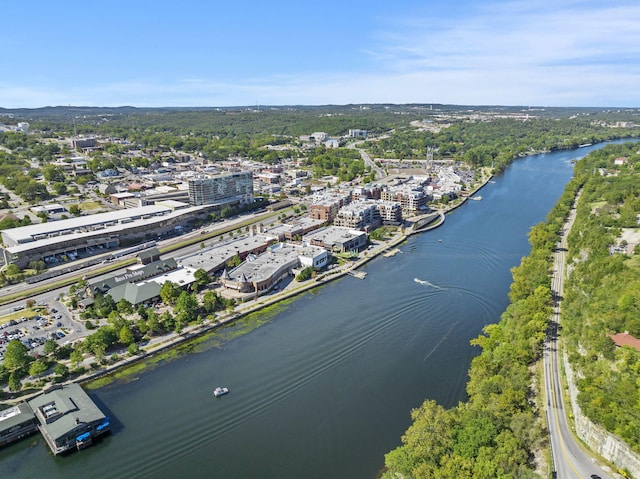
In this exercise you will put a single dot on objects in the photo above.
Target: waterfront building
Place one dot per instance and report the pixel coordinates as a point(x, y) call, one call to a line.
point(390, 212)
point(213, 259)
point(16, 422)
point(338, 239)
point(68, 418)
point(411, 199)
point(230, 188)
point(295, 228)
point(259, 274)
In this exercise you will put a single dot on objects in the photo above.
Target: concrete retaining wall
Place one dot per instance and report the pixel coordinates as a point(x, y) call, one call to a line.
point(609, 446)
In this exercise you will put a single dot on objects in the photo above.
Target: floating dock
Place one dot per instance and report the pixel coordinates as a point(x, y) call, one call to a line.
point(357, 274)
point(392, 252)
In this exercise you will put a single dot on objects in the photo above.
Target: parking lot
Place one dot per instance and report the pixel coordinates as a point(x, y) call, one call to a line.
point(33, 332)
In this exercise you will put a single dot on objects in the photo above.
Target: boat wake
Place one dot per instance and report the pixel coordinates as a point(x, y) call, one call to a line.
point(426, 283)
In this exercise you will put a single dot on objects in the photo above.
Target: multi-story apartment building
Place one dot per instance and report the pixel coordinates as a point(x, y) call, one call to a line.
point(326, 206)
point(390, 212)
point(359, 215)
point(411, 200)
point(222, 189)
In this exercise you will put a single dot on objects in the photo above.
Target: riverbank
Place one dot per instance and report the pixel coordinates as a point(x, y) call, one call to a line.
point(159, 345)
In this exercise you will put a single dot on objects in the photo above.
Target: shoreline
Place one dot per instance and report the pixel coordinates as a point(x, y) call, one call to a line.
point(165, 343)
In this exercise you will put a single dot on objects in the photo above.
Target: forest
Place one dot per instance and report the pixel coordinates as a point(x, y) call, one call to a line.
point(602, 296)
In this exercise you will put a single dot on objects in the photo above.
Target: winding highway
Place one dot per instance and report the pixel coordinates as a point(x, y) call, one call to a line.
point(569, 459)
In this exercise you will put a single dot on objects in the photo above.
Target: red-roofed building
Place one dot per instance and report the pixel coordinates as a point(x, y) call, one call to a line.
point(625, 339)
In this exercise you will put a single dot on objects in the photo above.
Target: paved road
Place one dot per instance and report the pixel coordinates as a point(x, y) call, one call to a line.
point(380, 174)
point(570, 461)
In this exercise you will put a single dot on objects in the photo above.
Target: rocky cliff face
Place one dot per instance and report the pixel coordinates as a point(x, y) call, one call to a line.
point(609, 446)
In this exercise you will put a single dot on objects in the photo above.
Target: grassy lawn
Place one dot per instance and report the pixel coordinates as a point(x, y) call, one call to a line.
point(90, 205)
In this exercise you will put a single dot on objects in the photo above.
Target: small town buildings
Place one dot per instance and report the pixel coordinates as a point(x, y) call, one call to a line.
point(51, 209)
point(358, 133)
point(68, 418)
point(213, 259)
point(293, 229)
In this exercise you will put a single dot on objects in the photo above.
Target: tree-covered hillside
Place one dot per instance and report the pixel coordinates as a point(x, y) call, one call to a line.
point(603, 292)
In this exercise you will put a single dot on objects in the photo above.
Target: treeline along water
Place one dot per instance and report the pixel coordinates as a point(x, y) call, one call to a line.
point(325, 388)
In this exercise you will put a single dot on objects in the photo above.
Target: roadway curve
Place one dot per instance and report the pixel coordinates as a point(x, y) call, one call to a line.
point(569, 459)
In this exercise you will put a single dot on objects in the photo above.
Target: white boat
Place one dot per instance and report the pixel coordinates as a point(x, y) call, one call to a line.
point(220, 391)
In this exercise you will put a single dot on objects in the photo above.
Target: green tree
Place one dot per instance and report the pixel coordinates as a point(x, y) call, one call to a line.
point(75, 210)
point(76, 358)
point(16, 355)
point(15, 381)
point(61, 370)
point(201, 279)
point(186, 310)
point(124, 307)
point(169, 292)
point(50, 346)
point(126, 336)
point(37, 368)
point(211, 302)
point(60, 188)
point(133, 349)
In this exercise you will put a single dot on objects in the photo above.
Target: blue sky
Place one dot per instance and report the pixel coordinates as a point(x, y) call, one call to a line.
point(247, 52)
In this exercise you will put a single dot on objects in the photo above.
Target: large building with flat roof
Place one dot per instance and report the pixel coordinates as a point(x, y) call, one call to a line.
point(51, 242)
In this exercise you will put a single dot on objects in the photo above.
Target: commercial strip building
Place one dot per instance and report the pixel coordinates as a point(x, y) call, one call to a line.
point(295, 228)
point(54, 241)
point(141, 283)
point(57, 241)
point(65, 415)
point(213, 259)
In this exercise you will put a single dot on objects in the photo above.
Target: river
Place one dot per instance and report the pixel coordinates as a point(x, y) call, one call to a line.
point(324, 389)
